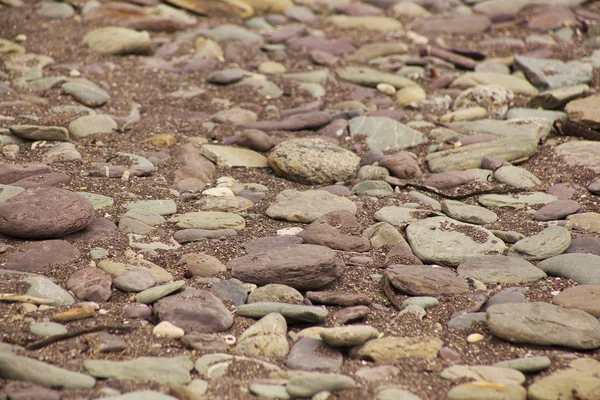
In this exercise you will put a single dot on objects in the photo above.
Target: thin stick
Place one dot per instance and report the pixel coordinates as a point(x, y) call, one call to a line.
point(389, 292)
point(13, 297)
point(58, 338)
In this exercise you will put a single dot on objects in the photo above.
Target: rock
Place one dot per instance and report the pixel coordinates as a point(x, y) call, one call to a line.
point(552, 74)
point(91, 284)
point(139, 221)
point(468, 213)
point(231, 204)
point(373, 188)
point(582, 268)
point(211, 220)
point(374, 50)
point(516, 177)
point(216, 8)
point(369, 22)
point(462, 158)
point(462, 24)
point(586, 222)
point(52, 9)
point(526, 364)
point(142, 394)
point(348, 336)
point(499, 269)
point(45, 212)
point(581, 152)
point(556, 210)
point(534, 128)
point(494, 98)
point(510, 82)
point(392, 349)
point(167, 330)
point(40, 256)
point(292, 312)
point(484, 373)
point(544, 324)
point(86, 92)
point(46, 289)
point(152, 294)
point(313, 354)
point(341, 299)
point(199, 264)
point(267, 337)
point(516, 201)
point(302, 266)
point(307, 384)
point(338, 230)
point(136, 310)
point(402, 165)
point(168, 370)
point(45, 329)
point(36, 132)
point(487, 390)
point(465, 321)
point(372, 77)
point(430, 237)
point(229, 157)
point(117, 268)
point(90, 125)
point(313, 161)
point(114, 40)
point(62, 152)
point(276, 293)
point(583, 297)
point(586, 244)
point(421, 280)
point(580, 379)
point(30, 370)
point(194, 310)
point(548, 243)
point(385, 133)
point(307, 206)
point(10, 173)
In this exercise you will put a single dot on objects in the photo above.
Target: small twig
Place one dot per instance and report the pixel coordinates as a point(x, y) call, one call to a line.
point(466, 195)
point(389, 292)
point(58, 338)
point(13, 297)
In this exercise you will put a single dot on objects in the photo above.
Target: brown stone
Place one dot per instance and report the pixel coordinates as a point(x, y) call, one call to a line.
point(338, 299)
point(40, 180)
point(350, 314)
point(338, 230)
point(10, 173)
point(402, 165)
point(40, 256)
point(583, 297)
point(98, 230)
point(91, 283)
point(423, 280)
point(74, 314)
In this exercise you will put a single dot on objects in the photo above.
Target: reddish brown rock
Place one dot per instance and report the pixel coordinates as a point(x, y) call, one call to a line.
point(99, 229)
point(402, 255)
point(10, 173)
point(586, 244)
point(40, 256)
point(45, 213)
point(402, 165)
point(338, 230)
point(39, 180)
point(583, 297)
point(91, 284)
point(270, 242)
point(558, 209)
point(350, 314)
point(448, 180)
point(195, 171)
point(302, 266)
point(423, 280)
point(338, 299)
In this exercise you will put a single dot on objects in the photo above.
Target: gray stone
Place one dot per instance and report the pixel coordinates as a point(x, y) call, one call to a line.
point(519, 200)
point(266, 88)
point(516, 177)
point(385, 133)
point(372, 77)
point(292, 312)
point(550, 242)
point(204, 363)
point(226, 156)
point(544, 324)
point(426, 302)
point(556, 98)
point(45, 329)
point(7, 191)
point(113, 40)
point(392, 349)
point(399, 216)
point(27, 369)
point(275, 293)
point(161, 207)
point(348, 336)
point(266, 338)
point(422, 280)
point(582, 268)
point(499, 269)
point(468, 213)
point(141, 395)
point(393, 393)
point(45, 288)
point(211, 220)
point(270, 391)
point(302, 266)
point(89, 125)
point(365, 22)
point(484, 373)
point(582, 152)
point(36, 132)
point(117, 268)
point(307, 206)
point(195, 235)
point(313, 161)
point(445, 241)
point(313, 354)
point(55, 9)
point(465, 321)
point(234, 32)
point(152, 294)
point(230, 290)
point(86, 92)
point(232, 204)
point(167, 370)
point(556, 210)
point(516, 84)
point(530, 126)
point(586, 222)
point(488, 391)
point(526, 365)
point(307, 384)
point(552, 74)
point(139, 221)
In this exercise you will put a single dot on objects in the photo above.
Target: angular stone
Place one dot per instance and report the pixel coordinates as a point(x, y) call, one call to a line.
point(544, 324)
point(313, 354)
point(46, 289)
point(45, 212)
point(302, 266)
point(552, 74)
point(499, 269)
point(421, 280)
point(307, 206)
point(385, 133)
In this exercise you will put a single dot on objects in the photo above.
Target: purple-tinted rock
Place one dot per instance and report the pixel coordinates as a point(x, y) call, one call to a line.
point(98, 230)
point(301, 14)
point(336, 129)
point(558, 209)
point(349, 314)
point(256, 140)
point(550, 18)
point(30, 391)
point(338, 299)
point(314, 355)
point(254, 197)
point(43, 180)
point(286, 33)
point(583, 297)
point(448, 180)
point(301, 266)
point(393, 114)
point(423, 280)
point(91, 284)
point(10, 173)
point(338, 230)
point(509, 295)
point(403, 165)
point(334, 47)
point(44, 213)
point(134, 280)
point(322, 57)
point(136, 310)
point(493, 162)
point(358, 9)
point(402, 255)
point(194, 310)
point(337, 190)
point(40, 256)
point(586, 244)
point(298, 122)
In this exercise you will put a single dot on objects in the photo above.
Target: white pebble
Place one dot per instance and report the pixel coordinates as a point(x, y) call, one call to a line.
point(475, 337)
point(168, 330)
point(219, 192)
point(289, 231)
point(386, 88)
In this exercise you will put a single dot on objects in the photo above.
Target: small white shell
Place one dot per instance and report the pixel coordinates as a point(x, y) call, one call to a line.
point(229, 339)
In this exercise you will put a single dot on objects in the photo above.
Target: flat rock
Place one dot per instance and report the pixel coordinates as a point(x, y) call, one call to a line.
point(134, 280)
point(467, 157)
point(499, 269)
point(40, 256)
point(210, 220)
point(152, 294)
point(586, 222)
point(392, 349)
point(422, 280)
point(275, 293)
point(581, 378)
point(91, 283)
point(44, 288)
point(550, 242)
point(516, 177)
point(445, 241)
point(226, 156)
point(36, 132)
point(487, 390)
point(10, 173)
point(348, 336)
point(115, 268)
point(141, 395)
point(544, 324)
point(301, 266)
point(368, 22)
point(307, 384)
point(338, 230)
point(307, 206)
point(585, 244)
point(44, 213)
point(385, 133)
point(519, 200)
point(90, 125)
point(558, 209)
point(313, 161)
point(113, 40)
point(468, 213)
point(552, 74)
point(371, 77)
point(291, 312)
point(526, 364)
point(194, 310)
point(582, 268)
point(484, 373)
point(266, 338)
point(199, 264)
point(517, 85)
point(583, 297)
point(313, 354)
point(175, 370)
point(86, 92)
point(460, 24)
point(581, 152)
